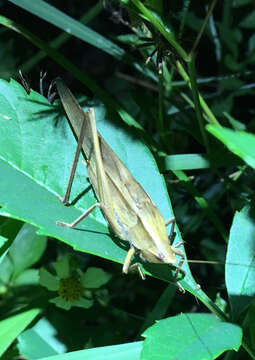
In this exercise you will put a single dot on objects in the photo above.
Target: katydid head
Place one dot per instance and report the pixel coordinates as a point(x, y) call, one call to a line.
point(154, 254)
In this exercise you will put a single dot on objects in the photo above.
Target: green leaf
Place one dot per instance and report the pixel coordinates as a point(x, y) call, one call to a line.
point(3, 250)
point(115, 352)
point(240, 261)
point(40, 341)
point(6, 270)
point(248, 22)
point(11, 327)
point(28, 277)
point(48, 280)
point(237, 125)
point(196, 161)
point(251, 317)
point(185, 162)
point(239, 3)
point(26, 249)
point(2, 240)
point(186, 336)
point(61, 303)
point(58, 18)
point(240, 143)
point(82, 302)
point(94, 277)
point(62, 267)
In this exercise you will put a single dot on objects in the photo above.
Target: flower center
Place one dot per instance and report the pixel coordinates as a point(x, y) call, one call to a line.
point(70, 289)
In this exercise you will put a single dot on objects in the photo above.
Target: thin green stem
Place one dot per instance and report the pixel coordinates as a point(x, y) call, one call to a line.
point(194, 90)
point(196, 42)
point(160, 102)
point(210, 116)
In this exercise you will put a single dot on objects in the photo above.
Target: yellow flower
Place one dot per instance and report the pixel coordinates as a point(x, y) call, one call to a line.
point(74, 288)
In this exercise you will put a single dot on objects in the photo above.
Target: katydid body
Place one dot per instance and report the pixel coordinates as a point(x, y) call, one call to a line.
point(127, 207)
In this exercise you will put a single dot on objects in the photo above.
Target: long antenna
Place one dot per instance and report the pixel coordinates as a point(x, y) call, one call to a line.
point(216, 262)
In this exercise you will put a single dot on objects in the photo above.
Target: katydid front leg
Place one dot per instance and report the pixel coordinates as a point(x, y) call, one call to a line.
point(176, 251)
point(127, 267)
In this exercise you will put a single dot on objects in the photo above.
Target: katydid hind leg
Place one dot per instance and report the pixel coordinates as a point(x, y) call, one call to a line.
point(171, 221)
point(138, 268)
point(43, 74)
point(80, 218)
point(179, 266)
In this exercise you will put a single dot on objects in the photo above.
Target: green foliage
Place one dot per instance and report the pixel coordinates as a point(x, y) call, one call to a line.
point(183, 128)
point(12, 326)
point(183, 335)
point(239, 142)
point(240, 278)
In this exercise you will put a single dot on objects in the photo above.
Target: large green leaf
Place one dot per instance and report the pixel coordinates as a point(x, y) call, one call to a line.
point(240, 269)
point(190, 336)
point(37, 150)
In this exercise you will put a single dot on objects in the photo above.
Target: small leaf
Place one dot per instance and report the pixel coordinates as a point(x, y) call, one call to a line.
point(40, 341)
point(11, 327)
point(3, 250)
point(6, 270)
point(28, 277)
point(239, 3)
point(240, 143)
point(48, 280)
point(62, 267)
point(248, 21)
point(95, 277)
point(251, 315)
point(61, 303)
point(84, 303)
point(26, 249)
